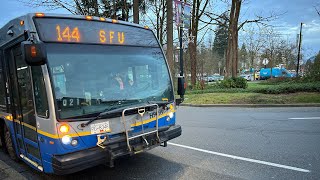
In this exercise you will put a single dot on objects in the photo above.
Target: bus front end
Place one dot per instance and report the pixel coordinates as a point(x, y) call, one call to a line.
point(111, 92)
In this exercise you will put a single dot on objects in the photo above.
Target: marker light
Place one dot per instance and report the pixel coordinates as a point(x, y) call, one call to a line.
point(21, 23)
point(102, 19)
point(146, 27)
point(89, 17)
point(66, 139)
point(74, 142)
point(64, 128)
point(9, 117)
point(39, 14)
point(114, 21)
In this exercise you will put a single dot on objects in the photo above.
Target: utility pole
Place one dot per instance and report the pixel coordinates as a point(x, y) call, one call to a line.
point(181, 52)
point(170, 37)
point(299, 49)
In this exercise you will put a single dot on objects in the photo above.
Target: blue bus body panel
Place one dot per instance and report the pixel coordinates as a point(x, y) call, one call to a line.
point(85, 142)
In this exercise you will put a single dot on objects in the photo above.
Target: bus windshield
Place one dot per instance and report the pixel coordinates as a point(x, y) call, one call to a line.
point(87, 79)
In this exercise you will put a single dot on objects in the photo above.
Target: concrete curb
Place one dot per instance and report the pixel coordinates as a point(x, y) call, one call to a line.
point(252, 105)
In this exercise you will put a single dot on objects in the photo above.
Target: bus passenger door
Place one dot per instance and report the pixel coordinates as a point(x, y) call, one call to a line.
point(22, 105)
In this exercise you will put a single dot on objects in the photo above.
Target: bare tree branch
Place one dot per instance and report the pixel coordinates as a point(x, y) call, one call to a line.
point(261, 20)
point(317, 10)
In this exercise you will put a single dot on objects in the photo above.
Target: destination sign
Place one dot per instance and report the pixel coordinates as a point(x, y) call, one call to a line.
point(93, 32)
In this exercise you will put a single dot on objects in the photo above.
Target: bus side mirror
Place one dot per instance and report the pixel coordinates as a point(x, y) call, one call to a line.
point(181, 90)
point(181, 86)
point(34, 53)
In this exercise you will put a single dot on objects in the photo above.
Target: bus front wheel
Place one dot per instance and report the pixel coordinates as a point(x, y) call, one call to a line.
point(1, 135)
point(8, 144)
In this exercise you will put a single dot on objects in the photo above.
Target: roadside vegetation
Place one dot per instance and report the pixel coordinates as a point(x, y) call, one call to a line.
point(263, 92)
point(273, 91)
point(252, 98)
point(264, 87)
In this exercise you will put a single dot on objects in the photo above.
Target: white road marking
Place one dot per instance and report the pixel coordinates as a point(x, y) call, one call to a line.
point(242, 158)
point(306, 118)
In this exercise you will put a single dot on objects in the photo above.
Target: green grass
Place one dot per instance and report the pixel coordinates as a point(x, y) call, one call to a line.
point(265, 88)
point(252, 98)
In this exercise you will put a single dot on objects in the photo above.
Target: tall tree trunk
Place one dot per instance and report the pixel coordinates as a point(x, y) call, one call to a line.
point(232, 50)
point(170, 36)
point(193, 46)
point(114, 16)
point(96, 8)
point(193, 62)
point(136, 11)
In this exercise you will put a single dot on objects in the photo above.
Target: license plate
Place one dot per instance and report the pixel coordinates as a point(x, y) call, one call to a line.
point(100, 127)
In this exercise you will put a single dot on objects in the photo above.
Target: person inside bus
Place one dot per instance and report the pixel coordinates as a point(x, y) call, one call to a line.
point(122, 80)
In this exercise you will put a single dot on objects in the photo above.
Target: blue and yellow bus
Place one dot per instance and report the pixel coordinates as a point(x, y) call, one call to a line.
point(78, 91)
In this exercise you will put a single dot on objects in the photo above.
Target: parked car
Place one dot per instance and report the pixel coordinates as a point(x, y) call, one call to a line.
point(248, 77)
point(214, 77)
point(257, 75)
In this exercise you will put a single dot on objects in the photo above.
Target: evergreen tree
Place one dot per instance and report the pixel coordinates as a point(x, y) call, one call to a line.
point(243, 56)
point(220, 44)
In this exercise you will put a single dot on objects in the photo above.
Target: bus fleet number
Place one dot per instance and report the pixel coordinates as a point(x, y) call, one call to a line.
point(70, 102)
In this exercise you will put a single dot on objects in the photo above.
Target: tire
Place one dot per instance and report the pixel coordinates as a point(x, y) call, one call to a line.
point(9, 145)
point(1, 136)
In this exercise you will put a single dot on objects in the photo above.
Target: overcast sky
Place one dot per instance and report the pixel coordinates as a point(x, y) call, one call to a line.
point(296, 11)
point(288, 24)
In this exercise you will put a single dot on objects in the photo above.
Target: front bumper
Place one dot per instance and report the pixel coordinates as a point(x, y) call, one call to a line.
point(117, 147)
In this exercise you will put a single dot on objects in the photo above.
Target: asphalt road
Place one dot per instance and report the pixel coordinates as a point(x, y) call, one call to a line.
point(223, 143)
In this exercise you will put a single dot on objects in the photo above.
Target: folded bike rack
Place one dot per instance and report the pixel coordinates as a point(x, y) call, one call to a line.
point(141, 110)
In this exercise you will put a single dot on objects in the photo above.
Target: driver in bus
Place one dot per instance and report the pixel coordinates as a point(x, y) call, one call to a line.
point(122, 80)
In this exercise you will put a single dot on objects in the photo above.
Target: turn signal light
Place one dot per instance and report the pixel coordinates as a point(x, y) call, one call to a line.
point(64, 128)
point(33, 51)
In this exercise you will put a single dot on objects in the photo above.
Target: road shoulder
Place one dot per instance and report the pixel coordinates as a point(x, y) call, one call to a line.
point(7, 172)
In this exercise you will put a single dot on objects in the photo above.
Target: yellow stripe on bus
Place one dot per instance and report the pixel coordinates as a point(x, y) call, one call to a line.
point(56, 136)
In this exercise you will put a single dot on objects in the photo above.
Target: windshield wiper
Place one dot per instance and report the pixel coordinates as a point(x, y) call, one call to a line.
point(103, 114)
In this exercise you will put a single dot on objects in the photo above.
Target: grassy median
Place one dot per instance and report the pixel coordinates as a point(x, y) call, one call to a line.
point(252, 98)
point(262, 92)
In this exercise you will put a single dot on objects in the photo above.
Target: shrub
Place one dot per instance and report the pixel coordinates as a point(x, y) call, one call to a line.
point(237, 82)
point(289, 88)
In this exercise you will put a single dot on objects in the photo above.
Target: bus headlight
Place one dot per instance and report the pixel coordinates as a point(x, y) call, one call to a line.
point(66, 139)
point(170, 116)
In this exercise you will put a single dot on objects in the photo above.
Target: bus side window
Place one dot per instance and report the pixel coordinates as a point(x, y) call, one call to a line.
point(40, 93)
